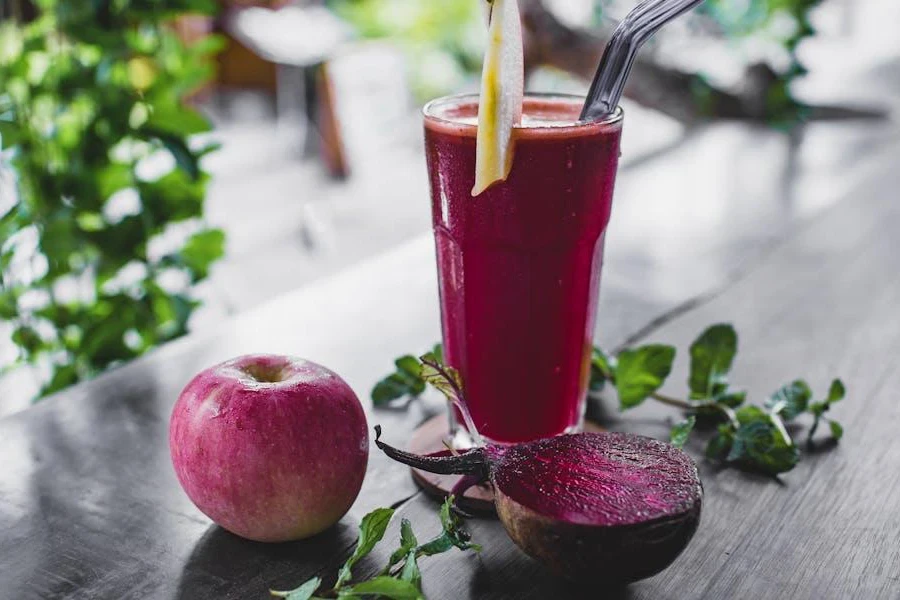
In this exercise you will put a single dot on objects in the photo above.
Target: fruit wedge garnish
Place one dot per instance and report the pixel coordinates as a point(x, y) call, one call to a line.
point(502, 91)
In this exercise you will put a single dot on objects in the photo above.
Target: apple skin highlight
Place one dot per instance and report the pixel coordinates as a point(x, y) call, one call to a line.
point(271, 448)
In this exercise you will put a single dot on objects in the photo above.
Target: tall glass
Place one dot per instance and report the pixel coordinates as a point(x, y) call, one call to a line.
point(519, 265)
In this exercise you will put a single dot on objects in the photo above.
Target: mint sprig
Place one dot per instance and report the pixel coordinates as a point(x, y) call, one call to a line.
point(748, 436)
point(400, 579)
point(405, 382)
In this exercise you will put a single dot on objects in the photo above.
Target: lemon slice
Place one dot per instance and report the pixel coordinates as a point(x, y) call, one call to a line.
point(502, 90)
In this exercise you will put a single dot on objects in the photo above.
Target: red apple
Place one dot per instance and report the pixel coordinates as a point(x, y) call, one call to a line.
point(271, 448)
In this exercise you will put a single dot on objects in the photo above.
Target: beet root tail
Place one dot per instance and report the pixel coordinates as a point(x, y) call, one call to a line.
point(472, 462)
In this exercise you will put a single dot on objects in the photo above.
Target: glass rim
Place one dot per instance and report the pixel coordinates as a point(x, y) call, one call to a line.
point(429, 111)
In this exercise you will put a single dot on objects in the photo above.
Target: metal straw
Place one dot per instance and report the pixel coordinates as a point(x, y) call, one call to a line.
point(639, 25)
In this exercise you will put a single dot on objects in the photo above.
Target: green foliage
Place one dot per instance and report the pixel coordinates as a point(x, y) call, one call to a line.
point(711, 357)
point(818, 409)
point(682, 431)
point(747, 436)
point(406, 381)
point(400, 579)
point(642, 371)
point(444, 41)
point(783, 22)
point(371, 530)
point(101, 144)
point(304, 592)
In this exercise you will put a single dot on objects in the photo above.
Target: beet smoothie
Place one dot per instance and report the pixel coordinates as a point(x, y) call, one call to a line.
point(519, 265)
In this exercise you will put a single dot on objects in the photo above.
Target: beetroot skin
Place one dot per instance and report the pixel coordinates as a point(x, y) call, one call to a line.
point(607, 507)
point(271, 448)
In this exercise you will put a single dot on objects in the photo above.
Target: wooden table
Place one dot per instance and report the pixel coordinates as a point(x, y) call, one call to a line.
point(795, 241)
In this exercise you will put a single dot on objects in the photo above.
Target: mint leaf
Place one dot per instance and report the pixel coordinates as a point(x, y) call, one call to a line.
point(711, 356)
point(452, 535)
point(603, 368)
point(405, 381)
point(720, 444)
point(818, 409)
point(304, 592)
point(411, 571)
point(642, 371)
point(790, 400)
point(731, 398)
point(837, 431)
point(371, 530)
point(682, 431)
point(388, 587)
point(438, 545)
point(451, 524)
point(750, 414)
point(408, 542)
point(836, 392)
point(407, 537)
point(759, 444)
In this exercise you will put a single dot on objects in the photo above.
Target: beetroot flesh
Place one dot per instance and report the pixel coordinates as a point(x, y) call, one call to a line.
point(602, 507)
point(610, 507)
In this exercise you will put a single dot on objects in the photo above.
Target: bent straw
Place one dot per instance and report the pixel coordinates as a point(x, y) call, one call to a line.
point(639, 25)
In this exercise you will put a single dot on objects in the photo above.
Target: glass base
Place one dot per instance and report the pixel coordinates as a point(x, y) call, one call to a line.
point(459, 438)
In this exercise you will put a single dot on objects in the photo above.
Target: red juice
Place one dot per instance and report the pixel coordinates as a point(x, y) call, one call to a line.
point(519, 265)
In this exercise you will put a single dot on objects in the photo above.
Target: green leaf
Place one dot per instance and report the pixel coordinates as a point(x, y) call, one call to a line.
point(177, 120)
point(8, 305)
point(790, 400)
point(836, 392)
point(10, 135)
point(750, 414)
point(818, 408)
point(438, 545)
point(201, 250)
point(408, 542)
point(451, 525)
point(681, 431)
point(603, 368)
point(837, 431)
point(642, 371)
point(730, 398)
point(405, 381)
point(411, 571)
point(711, 356)
point(371, 530)
point(177, 147)
point(63, 377)
point(304, 592)
point(720, 444)
point(442, 377)
point(438, 353)
point(27, 339)
point(407, 537)
point(172, 197)
point(451, 535)
point(388, 587)
point(759, 445)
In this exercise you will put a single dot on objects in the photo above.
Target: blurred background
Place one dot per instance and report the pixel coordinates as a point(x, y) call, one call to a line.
point(167, 164)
